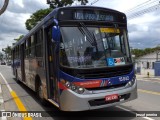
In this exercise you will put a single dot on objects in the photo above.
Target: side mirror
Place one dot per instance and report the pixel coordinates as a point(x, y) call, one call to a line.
point(56, 33)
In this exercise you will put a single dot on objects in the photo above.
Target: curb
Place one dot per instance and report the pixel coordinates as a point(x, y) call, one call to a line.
point(1, 105)
point(151, 78)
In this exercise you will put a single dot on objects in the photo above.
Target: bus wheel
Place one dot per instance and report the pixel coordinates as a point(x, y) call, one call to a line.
point(40, 94)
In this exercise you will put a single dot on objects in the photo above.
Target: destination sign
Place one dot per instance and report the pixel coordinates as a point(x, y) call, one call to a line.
point(93, 15)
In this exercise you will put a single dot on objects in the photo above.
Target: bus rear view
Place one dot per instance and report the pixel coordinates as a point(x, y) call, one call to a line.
point(96, 68)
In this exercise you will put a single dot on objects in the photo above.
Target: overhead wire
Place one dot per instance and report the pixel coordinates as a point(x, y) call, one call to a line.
point(148, 6)
point(146, 10)
point(95, 1)
point(139, 6)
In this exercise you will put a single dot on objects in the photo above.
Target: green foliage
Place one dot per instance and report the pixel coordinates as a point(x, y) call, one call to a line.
point(62, 3)
point(7, 51)
point(1, 56)
point(141, 52)
point(40, 14)
point(19, 38)
point(37, 16)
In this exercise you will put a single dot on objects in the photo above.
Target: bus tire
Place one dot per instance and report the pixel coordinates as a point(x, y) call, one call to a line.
point(40, 94)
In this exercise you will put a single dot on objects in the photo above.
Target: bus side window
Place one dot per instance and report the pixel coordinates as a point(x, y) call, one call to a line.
point(38, 43)
point(25, 44)
point(32, 47)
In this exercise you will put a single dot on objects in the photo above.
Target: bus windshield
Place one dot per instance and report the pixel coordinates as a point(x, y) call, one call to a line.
point(92, 47)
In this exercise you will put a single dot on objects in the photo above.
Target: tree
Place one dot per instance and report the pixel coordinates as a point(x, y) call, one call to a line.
point(19, 38)
point(1, 56)
point(57, 3)
point(7, 51)
point(40, 14)
point(141, 52)
point(37, 16)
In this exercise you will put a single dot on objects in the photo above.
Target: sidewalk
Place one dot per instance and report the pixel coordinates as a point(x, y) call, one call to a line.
point(1, 105)
point(138, 76)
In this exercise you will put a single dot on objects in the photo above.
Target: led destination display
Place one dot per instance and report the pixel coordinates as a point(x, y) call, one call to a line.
point(93, 15)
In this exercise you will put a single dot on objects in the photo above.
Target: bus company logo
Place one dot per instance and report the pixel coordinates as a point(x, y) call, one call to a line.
point(119, 61)
point(115, 61)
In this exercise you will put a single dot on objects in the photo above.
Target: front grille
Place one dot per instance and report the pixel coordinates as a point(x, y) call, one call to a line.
point(94, 73)
point(98, 102)
point(104, 73)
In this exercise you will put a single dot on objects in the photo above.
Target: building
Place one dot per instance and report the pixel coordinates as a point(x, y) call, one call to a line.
point(146, 63)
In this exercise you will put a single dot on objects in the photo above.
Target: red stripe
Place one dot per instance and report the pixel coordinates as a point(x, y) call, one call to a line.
point(89, 84)
point(62, 86)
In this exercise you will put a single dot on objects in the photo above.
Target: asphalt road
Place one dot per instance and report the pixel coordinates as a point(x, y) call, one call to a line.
point(148, 100)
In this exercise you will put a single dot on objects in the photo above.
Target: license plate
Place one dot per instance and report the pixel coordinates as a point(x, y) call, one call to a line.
point(111, 97)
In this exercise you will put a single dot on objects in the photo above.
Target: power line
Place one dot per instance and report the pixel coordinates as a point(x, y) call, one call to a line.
point(138, 13)
point(95, 1)
point(138, 6)
point(143, 8)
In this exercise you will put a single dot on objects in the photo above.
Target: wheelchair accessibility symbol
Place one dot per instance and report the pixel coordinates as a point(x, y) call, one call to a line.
point(110, 62)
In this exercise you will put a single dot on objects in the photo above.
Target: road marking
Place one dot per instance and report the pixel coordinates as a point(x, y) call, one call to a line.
point(150, 81)
point(10, 89)
point(18, 102)
point(150, 92)
point(147, 118)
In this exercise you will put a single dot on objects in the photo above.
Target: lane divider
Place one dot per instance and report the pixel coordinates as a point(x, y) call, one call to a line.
point(16, 99)
point(150, 92)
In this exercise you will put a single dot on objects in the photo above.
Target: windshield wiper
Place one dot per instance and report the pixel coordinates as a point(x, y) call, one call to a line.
point(89, 36)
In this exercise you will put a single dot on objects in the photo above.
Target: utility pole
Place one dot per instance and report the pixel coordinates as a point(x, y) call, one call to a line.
point(4, 7)
point(95, 1)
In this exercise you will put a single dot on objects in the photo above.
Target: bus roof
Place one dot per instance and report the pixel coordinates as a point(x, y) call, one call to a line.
point(54, 13)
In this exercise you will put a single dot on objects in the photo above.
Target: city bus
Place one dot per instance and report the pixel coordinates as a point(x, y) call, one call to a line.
point(78, 58)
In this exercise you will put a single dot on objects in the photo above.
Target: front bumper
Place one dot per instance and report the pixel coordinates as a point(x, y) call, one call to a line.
point(71, 101)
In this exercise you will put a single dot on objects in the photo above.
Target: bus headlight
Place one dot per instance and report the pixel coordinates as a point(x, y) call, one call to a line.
point(68, 84)
point(131, 83)
point(80, 90)
point(74, 88)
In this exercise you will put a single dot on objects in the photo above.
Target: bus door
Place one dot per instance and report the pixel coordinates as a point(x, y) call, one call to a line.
point(52, 71)
point(13, 61)
point(22, 62)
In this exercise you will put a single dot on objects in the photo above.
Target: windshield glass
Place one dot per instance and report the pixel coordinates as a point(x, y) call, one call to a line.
point(92, 47)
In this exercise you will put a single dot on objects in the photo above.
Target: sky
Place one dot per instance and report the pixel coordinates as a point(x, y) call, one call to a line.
point(143, 31)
